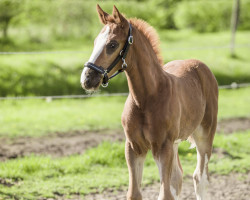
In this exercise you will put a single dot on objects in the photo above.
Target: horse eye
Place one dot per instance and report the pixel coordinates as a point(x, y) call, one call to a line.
point(112, 46)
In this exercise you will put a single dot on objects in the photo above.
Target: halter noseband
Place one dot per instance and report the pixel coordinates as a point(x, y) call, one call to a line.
point(122, 55)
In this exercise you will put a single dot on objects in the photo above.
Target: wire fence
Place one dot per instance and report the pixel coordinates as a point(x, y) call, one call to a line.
point(50, 98)
point(198, 48)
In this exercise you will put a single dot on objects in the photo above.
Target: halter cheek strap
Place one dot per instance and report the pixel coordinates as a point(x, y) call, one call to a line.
point(122, 55)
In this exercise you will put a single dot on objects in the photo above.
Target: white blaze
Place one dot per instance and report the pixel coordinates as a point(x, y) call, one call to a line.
point(98, 48)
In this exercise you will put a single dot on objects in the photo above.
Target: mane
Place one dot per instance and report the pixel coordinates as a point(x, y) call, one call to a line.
point(150, 33)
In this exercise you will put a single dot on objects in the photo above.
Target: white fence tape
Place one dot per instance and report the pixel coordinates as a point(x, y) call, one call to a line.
point(50, 98)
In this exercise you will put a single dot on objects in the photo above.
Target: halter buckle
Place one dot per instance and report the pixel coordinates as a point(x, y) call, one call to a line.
point(124, 64)
point(130, 39)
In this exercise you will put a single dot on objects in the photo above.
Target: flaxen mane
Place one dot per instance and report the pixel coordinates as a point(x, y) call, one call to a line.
point(150, 34)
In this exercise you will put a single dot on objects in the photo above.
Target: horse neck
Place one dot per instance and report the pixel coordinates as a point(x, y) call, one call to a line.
point(144, 74)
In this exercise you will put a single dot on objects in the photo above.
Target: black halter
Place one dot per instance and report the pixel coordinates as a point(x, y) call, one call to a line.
point(122, 55)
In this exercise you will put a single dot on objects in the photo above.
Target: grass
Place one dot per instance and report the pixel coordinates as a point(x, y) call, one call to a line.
point(183, 45)
point(37, 117)
point(104, 167)
point(37, 177)
point(63, 71)
point(234, 103)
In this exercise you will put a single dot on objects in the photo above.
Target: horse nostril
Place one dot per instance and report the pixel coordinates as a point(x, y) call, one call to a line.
point(87, 81)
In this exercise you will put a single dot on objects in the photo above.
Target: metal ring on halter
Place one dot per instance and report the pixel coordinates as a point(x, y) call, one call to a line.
point(121, 52)
point(130, 39)
point(105, 85)
point(105, 79)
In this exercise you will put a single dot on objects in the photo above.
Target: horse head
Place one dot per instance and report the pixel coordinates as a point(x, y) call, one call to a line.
point(109, 47)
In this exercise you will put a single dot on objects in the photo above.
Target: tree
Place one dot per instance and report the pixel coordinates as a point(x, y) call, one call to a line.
point(8, 10)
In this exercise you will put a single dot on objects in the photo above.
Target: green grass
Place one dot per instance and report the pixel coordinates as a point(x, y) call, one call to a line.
point(234, 103)
point(104, 167)
point(182, 45)
point(37, 117)
point(62, 71)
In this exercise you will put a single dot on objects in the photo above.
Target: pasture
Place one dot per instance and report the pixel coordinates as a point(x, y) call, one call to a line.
point(68, 149)
point(71, 148)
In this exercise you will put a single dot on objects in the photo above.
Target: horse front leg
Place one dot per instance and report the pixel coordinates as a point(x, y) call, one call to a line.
point(164, 157)
point(135, 159)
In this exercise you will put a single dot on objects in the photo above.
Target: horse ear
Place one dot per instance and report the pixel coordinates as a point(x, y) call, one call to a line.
point(118, 16)
point(103, 16)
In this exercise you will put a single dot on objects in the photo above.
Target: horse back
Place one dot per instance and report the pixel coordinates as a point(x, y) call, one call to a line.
point(196, 90)
point(192, 74)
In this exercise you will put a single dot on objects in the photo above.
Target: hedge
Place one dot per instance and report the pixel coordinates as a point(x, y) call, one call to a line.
point(210, 16)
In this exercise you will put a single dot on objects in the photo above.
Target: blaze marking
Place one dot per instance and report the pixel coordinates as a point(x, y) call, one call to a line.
point(98, 48)
point(99, 45)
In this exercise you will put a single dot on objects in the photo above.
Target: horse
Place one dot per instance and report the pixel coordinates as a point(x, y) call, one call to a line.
point(166, 104)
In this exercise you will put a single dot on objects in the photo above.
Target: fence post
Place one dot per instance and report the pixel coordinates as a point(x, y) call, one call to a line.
point(234, 23)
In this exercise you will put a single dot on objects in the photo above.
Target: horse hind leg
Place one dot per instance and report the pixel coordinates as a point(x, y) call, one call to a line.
point(176, 175)
point(203, 139)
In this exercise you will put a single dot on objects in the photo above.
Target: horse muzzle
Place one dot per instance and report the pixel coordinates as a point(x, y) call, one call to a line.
point(90, 79)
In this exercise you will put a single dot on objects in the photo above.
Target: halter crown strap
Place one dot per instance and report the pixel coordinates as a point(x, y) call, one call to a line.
point(122, 55)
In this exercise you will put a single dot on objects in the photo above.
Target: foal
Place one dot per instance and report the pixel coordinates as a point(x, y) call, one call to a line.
point(166, 104)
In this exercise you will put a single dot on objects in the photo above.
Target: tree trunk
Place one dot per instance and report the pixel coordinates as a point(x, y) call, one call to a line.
point(5, 28)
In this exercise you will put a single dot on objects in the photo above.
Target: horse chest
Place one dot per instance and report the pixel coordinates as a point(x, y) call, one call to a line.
point(144, 127)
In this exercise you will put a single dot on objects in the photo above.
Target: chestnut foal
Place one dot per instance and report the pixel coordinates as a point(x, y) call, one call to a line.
point(166, 104)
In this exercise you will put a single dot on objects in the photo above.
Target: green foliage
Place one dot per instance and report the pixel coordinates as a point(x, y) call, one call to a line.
point(204, 16)
point(38, 177)
point(46, 75)
point(41, 78)
point(39, 28)
point(46, 20)
point(58, 74)
point(210, 16)
point(168, 7)
point(244, 15)
point(8, 10)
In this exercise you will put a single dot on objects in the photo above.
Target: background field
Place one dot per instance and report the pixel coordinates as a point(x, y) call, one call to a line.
point(74, 148)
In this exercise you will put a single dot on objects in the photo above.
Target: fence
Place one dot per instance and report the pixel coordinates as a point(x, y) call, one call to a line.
point(50, 98)
point(163, 49)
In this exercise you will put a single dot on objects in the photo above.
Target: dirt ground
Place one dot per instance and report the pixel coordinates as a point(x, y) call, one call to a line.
point(230, 187)
point(56, 145)
point(65, 144)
